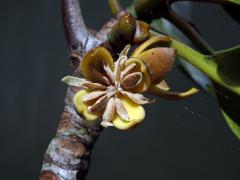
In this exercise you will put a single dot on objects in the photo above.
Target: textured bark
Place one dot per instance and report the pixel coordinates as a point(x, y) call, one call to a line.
point(74, 27)
point(68, 154)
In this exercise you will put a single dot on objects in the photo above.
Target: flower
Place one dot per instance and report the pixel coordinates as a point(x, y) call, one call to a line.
point(112, 90)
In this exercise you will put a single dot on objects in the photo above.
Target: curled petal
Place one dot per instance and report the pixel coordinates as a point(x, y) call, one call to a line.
point(154, 41)
point(98, 105)
point(129, 69)
point(137, 98)
point(141, 67)
point(93, 62)
point(93, 95)
point(121, 111)
point(132, 80)
point(172, 95)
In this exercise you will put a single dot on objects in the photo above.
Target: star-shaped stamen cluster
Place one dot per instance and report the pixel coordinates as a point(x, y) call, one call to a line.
point(114, 84)
point(112, 89)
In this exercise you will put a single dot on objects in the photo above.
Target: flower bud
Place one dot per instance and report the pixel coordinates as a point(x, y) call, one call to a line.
point(127, 26)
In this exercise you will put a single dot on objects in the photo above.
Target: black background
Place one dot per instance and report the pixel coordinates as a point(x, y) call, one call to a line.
point(179, 140)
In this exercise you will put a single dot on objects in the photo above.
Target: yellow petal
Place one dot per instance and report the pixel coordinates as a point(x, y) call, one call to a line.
point(156, 41)
point(146, 82)
point(95, 58)
point(135, 112)
point(81, 107)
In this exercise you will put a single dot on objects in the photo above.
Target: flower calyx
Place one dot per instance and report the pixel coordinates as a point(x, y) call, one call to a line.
point(112, 90)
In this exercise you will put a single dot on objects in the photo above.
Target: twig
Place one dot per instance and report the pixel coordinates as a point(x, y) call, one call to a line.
point(74, 26)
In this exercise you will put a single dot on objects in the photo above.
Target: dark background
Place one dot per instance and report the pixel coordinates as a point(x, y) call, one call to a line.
point(179, 140)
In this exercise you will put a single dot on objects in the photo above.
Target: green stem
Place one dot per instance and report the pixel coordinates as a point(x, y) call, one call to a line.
point(114, 6)
point(202, 62)
point(152, 9)
point(188, 30)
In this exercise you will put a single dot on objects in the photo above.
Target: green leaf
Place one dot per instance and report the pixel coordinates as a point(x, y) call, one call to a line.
point(223, 70)
point(235, 1)
point(230, 105)
point(228, 101)
point(232, 125)
point(73, 81)
point(207, 65)
point(228, 65)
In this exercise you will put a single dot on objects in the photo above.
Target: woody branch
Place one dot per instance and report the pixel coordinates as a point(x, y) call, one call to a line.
point(69, 152)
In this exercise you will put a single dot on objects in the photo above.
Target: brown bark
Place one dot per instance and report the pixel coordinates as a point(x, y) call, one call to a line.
point(68, 154)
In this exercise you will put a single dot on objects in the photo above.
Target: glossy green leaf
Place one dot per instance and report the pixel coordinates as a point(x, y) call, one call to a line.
point(230, 105)
point(228, 65)
point(233, 126)
point(228, 101)
point(207, 65)
point(223, 70)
